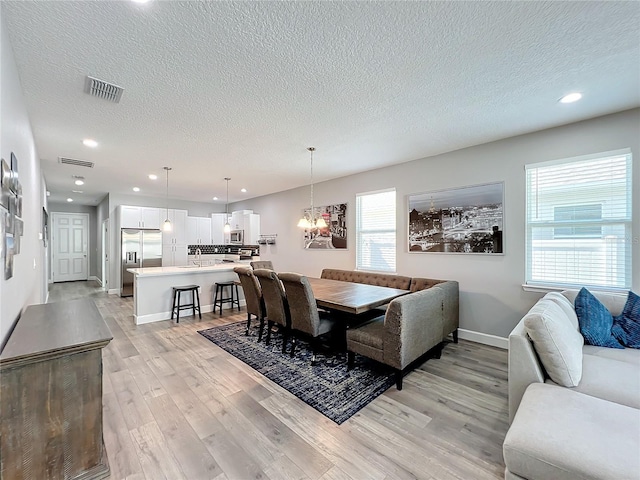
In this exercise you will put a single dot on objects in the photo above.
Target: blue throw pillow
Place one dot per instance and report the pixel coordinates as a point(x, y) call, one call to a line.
point(626, 326)
point(595, 321)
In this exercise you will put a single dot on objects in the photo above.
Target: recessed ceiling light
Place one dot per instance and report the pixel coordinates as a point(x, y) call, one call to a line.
point(153, 177)
point(140, 1)
point(79, 182)
point(69, 199)
point(571, 97)
point(243, 190)
point(77, 191)
point(136, 189)
point(215, 198)
point(89, 142)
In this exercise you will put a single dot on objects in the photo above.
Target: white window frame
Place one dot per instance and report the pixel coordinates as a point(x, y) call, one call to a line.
point(385, 230)
point(612, 251)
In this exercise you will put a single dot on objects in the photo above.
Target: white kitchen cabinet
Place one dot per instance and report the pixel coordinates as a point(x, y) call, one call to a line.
point(178, 233)
point(198, 231)
point(251, 224)
point(139, 217)
point(218, 236)
point(174, 255)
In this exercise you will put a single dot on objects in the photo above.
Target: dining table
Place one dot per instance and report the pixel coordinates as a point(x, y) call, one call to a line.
point(350, 297)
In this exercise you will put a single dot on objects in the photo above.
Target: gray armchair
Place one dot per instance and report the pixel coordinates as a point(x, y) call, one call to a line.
point(411, 327)
point(305, 317)
point(276, 305)
point(252, 295)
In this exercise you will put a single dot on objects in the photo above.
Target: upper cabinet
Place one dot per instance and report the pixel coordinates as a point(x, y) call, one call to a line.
point(178, 233)
point(251, 223)
point(140, 217)
point(218, 237)
point(198, 231)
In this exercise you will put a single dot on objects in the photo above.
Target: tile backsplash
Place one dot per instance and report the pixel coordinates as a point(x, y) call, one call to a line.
point(231, 249)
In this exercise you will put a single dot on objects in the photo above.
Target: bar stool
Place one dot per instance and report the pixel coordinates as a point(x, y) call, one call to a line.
point(233, 297)
point(177, 291)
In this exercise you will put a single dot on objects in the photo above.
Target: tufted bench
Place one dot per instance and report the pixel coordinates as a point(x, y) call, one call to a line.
point(450, 304)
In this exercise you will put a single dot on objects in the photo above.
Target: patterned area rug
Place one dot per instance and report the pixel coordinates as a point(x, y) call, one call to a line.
point(327, 386)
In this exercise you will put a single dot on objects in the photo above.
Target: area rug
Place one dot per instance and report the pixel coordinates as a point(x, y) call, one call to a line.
point(327, 386)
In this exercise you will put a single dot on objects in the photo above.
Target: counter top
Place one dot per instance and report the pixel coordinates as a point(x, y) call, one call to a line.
point(191, 269)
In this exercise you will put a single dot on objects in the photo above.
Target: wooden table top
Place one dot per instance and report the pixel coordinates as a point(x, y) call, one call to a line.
point(350, 297)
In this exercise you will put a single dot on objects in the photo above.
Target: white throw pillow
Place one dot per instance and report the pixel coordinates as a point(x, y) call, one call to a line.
point(556, 341)
point(568, 308)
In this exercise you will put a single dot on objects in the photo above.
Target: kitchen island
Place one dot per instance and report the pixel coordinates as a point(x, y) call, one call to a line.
point(153, 296)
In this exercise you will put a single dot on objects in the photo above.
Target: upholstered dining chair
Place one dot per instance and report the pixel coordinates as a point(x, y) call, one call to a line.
point(275, 302)
point(305, 316)
point(252, 295)
point(261, 264)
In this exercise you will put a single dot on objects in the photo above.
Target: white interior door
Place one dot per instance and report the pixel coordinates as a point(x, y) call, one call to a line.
point(70, 244)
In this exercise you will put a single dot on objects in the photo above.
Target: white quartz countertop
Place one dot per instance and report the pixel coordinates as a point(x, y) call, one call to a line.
point(191, 269)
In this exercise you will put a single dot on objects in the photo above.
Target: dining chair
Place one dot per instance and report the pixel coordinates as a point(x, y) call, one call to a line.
point(252, 295)
point(261, 264)
point(306, 319)
point(276, 305)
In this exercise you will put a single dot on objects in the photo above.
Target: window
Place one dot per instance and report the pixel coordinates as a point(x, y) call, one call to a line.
point(571, 213)
point(376, 231)
point(579, 221)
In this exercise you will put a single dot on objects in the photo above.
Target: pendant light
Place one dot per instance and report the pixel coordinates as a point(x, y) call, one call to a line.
point(166, 226)
point(310, 222)
point(227, 226)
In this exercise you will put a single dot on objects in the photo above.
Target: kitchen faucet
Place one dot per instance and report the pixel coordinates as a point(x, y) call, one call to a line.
point(198, 260)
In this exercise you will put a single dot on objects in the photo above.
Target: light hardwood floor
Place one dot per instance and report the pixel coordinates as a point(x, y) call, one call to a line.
point(176, 406)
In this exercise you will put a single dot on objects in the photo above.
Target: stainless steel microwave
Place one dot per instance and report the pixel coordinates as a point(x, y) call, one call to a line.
point(236, 237)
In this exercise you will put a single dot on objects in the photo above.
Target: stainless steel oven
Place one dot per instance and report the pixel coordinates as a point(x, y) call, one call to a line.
point(236, 237)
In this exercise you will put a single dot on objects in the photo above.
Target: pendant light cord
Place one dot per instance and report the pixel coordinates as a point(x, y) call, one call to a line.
point(312, 213)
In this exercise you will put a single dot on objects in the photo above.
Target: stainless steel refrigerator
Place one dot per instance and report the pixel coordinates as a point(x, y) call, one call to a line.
point(140, 249)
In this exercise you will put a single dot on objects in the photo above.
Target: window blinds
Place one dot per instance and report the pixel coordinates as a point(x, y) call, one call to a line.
point(578, 221)
point(376, 231)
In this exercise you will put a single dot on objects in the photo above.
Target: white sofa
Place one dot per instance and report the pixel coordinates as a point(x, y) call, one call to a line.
point(589, 430)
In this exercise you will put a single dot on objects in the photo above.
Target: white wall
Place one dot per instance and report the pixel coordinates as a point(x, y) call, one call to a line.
point(27, 285)
point(492, 299)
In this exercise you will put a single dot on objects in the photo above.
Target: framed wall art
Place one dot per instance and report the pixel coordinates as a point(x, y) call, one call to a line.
point(458, 220)
point(5, 186)
point(334, 236)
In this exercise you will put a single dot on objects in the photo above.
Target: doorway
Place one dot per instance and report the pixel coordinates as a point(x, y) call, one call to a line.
point(69, 247)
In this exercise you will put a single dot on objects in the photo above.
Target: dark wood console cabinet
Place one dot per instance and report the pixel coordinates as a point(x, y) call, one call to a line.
point(51, 394)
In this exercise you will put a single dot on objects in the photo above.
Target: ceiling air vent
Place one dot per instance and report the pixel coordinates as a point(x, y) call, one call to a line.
point(102, 89)
point(77, 163)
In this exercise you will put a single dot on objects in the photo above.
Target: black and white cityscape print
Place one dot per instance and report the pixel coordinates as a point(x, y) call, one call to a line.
point(460, 220)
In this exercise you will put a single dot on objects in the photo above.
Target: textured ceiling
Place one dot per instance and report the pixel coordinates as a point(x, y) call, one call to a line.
point(240, 89)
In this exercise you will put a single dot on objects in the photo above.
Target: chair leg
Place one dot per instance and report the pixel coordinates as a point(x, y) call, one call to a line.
point(197, 294)
point(269, 327)
point(438, 352)
point(178, 311)
point(248, 323)
point(285, 339)
point(173, 304)
point(399, 379)
point(455, 336)
point(237, 298)
point(351, 357)
point(260, 329)
point(293, 347)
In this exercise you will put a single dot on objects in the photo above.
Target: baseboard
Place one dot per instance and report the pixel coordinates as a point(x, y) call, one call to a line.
point(114, 291)
point(159, 317)
point(93, 278)
point(483, 338)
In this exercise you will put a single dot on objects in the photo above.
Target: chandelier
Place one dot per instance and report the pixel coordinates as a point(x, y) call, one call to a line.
point(309, 221)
